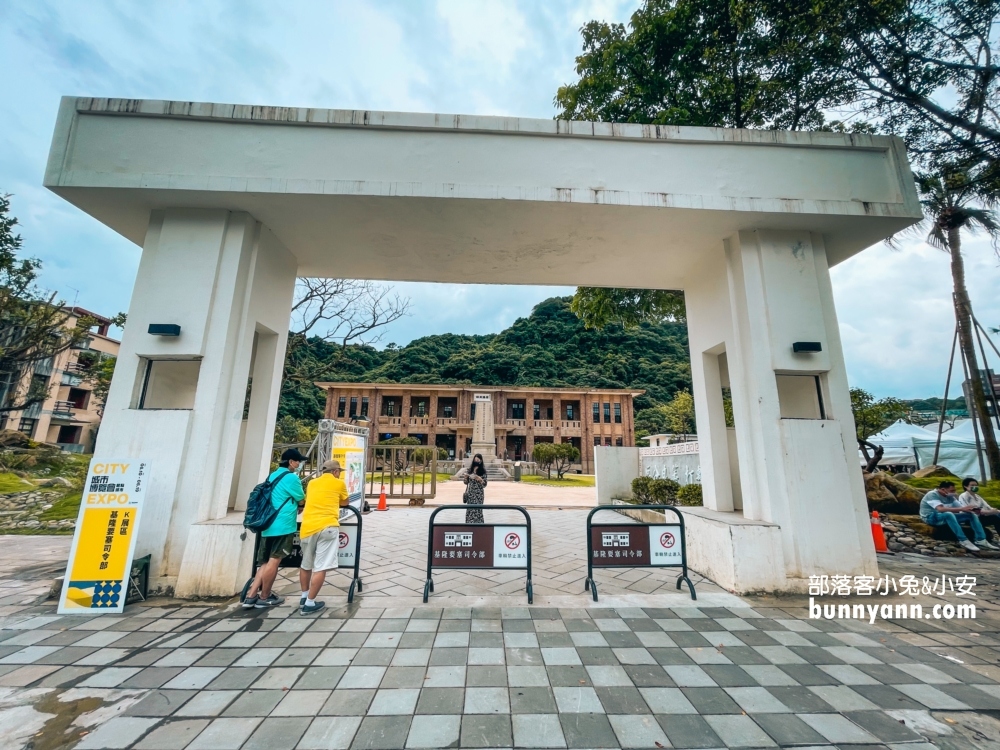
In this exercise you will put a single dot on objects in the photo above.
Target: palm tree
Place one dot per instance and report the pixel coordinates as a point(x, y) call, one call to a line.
point(955, 200)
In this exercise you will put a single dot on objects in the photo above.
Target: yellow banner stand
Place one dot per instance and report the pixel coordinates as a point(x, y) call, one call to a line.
point(97, 573)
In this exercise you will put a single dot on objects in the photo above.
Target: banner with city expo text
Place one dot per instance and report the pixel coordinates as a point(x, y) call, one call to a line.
point(349, 449)
point(100, 560)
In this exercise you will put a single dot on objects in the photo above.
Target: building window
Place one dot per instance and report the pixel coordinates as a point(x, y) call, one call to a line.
point(607, 412)
point(80, 400)
point(618, 413)
point(537, 412)
point(597, 412)
point(517, 411)
point(27, 426)
point(421, 408)
point(472, 412)
point(170, 384)
point(597, 440)
point(569, 412)
point(342, 406)
point(364, 406)
point(354, 406)
point(449, 411)
point(69, 435)
point(607, 441)
point(389, 407)
point(618, 442)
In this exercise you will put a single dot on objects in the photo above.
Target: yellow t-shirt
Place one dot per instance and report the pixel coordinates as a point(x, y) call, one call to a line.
point(324, 496)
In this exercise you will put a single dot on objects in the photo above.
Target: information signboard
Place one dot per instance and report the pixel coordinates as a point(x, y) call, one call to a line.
point(632, 546)
point(479, 545)
point(100, 558)
point(349, 450)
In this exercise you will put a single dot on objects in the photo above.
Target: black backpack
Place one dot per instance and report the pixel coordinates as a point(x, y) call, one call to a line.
point(260, 513)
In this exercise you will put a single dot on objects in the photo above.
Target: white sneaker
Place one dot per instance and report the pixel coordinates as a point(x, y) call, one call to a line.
point(969, 545)
point(986, 545)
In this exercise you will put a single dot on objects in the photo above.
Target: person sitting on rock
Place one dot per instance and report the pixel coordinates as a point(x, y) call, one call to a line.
point(988, 515)
point(940, 507)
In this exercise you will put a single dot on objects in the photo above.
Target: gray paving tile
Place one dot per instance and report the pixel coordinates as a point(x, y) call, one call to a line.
point(160, 703)
point(236, 678)
point(537, 731)
point(433, 701)
point(842, 698)
point(486, 676)
point(588, 731)
point(886, 697)
point(208, 703)
point(449, 657)
point(532, 700)
point(883, 726)
point(480, 730)
point(320, 678)
point(645, 675)
point(739, 731)
point(382, 733)
point(837, 729)
point(173, 735)
point(638, 731)
point(330, 733)
point(118, 732)
point(975, 696)
point(788, 729)
point(486, 700)
point(392, 702)
point(622, 700)
point(348, 703)
point(434, 731)
point(255, 703)
point(689, 731)
point(403, 677)
point(577, 700)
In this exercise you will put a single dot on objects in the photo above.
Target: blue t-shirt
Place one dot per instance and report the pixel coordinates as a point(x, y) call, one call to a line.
point(932, 500)
point(290, 486)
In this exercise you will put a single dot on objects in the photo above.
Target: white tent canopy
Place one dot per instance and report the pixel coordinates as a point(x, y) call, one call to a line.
point(911, 445)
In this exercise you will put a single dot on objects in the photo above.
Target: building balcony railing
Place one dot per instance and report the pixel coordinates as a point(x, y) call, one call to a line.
point(447, 421)
point(391, 421)
point(75, 367)
point(70, 379)
point(517, 422)
point(71, 447)
point(569, 424)
point(63, 409)
point(420, 420)
point(543, 423)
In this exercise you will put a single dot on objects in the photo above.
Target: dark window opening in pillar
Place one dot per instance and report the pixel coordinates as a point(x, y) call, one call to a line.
point(364, 406)
point(354, 407)
point(607, 413)
point(597, 412)
point(472, 418)
point(169, 384)
point(536, 411)
point(342, 406)
point(571, 412)
point(618, 413)
point(800, 397)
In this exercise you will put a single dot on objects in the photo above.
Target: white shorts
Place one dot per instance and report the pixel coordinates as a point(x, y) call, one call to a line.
point(320, 551)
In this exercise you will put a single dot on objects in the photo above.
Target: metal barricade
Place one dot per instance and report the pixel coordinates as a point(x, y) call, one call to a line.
point(349, 554)
point(636, 545)
point(479, 545)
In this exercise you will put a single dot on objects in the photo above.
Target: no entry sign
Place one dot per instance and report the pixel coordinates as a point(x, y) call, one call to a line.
point(479, 546)
point(632, 545)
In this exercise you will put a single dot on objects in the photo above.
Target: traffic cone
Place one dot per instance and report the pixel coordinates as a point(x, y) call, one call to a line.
point(383, 506)
point(878, 535)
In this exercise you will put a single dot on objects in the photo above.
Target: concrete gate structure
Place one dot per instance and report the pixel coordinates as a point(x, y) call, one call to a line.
point(231, 203)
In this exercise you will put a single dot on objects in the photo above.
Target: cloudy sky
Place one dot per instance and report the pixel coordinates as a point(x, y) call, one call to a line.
point(494, 57)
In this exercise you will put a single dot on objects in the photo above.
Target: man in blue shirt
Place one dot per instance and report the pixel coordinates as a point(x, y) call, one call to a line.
point(940, 507)
point(276, 540)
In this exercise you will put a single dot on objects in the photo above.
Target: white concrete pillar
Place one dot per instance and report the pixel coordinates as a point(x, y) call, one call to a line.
point(798, 469)
point(225, 280)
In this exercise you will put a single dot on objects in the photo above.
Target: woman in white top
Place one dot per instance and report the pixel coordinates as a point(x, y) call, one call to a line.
point(988, 515)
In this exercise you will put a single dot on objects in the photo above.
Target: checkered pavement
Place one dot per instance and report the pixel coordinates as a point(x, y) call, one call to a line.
point(211, 678)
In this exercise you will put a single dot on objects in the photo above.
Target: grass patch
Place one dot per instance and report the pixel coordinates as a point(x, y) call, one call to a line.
point(989, 491)
point(65, 506)
point(569, 480)
point(11, 483)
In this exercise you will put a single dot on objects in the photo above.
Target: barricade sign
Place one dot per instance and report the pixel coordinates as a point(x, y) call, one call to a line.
point(349, 555)
point(636, 545)
point(479, 545)
point(100, 560)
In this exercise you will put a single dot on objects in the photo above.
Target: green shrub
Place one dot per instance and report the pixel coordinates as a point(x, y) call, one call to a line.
point(652, 491)
point(689, 494)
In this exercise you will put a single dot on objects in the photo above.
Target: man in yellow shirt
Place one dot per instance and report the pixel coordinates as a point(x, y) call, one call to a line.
point(320, 533)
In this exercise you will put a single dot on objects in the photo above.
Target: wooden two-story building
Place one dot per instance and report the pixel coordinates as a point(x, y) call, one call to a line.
point(442, 415)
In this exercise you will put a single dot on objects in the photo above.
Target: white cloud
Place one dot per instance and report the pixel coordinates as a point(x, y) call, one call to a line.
point(487, 33)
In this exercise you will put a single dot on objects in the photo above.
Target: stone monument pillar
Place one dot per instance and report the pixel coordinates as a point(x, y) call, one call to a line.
point(483, 432)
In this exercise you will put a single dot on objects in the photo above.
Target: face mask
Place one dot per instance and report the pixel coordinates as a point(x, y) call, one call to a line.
point(974, 490)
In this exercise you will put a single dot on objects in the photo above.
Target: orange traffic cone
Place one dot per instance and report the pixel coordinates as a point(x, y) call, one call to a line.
point(878, 535)
point(383, 506)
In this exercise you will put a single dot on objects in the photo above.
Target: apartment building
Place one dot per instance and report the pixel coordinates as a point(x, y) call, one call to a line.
point(442, 415)
point(69, 417)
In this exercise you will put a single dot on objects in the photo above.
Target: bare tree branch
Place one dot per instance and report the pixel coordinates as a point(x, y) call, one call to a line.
point(345, 311)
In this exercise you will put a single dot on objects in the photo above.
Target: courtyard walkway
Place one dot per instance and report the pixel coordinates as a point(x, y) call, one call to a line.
point(475, 667)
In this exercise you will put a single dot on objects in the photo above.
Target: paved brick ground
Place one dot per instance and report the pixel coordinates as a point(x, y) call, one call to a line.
point(390, 672)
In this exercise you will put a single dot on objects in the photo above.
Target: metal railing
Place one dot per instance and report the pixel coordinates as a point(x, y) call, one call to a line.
point(405, 471)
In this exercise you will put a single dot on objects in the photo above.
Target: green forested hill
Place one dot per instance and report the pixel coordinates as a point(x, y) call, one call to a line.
point(550, 347)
